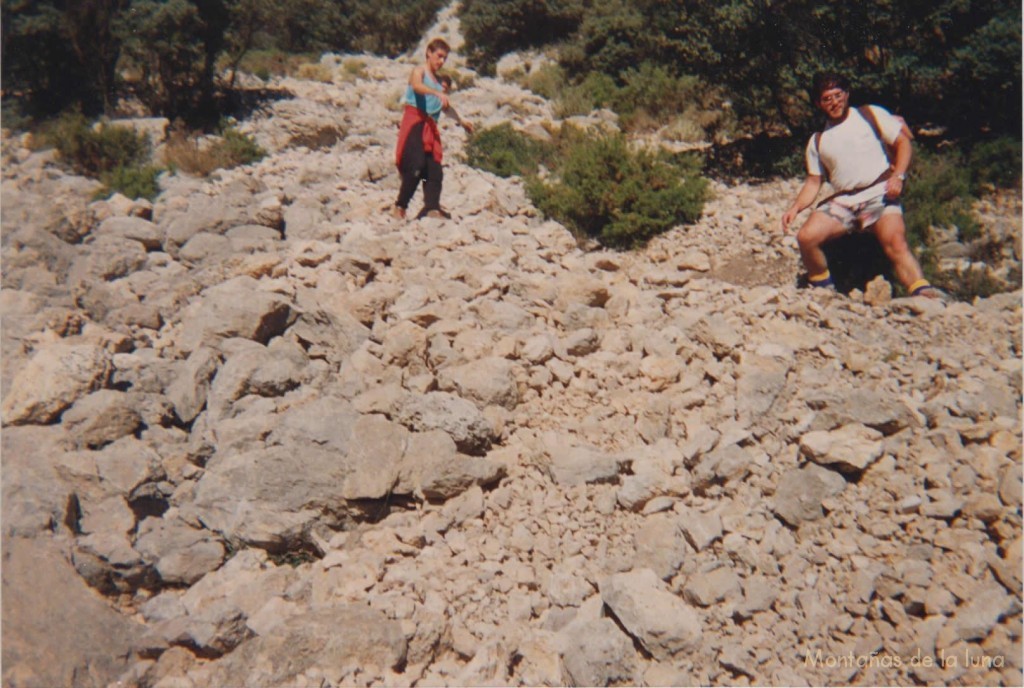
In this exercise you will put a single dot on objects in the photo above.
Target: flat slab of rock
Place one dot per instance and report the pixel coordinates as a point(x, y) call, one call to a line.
point(852, 447)
point(666, 626)
point(334, 640)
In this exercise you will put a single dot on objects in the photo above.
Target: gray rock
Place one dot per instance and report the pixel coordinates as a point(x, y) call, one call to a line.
point(976, 618)
point(874, 408)
point(55, 377)
point(665, 625)
point(334, 640)
point(700, 528)
point(35, 498)
point(432, 468)
point(106, 259)
point(219, 628)
point(101, 417)
point(254, 370)
point(46, 608)
point(1010, 485)
point(443, 411)
point(270, 497)
point(725, 463)
point(759, 594)
point(660, 546)
point(597, 653)
point(579, 465)
point(718, 334)
point(852, 447)
point(486, 382)
point(135, 229)
point(205, 248)
point(236, 308)
point(191, 385)
point(707, 588)
point(800, 493)
point(760, 382)
point(179, 553)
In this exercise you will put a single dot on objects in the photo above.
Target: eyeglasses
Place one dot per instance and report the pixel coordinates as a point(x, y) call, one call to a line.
point(834, 98)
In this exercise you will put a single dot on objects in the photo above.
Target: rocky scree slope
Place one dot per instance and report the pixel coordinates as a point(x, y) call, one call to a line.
point(259, 433)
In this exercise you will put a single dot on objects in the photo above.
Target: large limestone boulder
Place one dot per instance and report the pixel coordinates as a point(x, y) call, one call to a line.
point(55, 377)
point(665, 625)
point(56, 631)
point(332, 640)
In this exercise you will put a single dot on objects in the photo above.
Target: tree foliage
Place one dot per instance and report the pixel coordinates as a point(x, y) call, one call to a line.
point(85, 54)
point(954, 63)
point(495, 27)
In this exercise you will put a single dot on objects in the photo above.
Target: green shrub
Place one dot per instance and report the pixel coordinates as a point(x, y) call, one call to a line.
point(231, 150)
point(12, 115)
point(604, 190)
point(938, 194)
point(595, 91)
point(93, 152)
point(504, 151)
point(996, 164)
point(272, 62)
point(241, 149)
point(133, 182)
point(547, 81)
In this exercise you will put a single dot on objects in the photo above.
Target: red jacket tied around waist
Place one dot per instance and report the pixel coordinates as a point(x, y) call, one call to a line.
point(431, 135)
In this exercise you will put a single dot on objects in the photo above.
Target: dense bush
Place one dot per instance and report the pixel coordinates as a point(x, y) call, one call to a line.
point(959, 67)
point(938, 194)
point(495, 27)
point(604, 190)
point(94, 151)
point(117, 156)
point(505, 152)
point(133, 182)
point(58, 55)
point(996, 164)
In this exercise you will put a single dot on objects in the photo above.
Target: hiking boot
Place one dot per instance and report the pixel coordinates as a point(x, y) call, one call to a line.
point(932, 292)
point(435, 213)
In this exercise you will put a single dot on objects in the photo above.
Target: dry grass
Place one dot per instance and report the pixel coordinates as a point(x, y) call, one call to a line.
point(190, 154)
point(315, 72)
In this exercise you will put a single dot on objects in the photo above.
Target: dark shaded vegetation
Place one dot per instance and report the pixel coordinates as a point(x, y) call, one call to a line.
point(176, 56)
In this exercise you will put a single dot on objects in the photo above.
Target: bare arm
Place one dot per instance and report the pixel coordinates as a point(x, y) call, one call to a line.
point(418, 86)
point(807, 194)
point(450, 111)
point(904, 152)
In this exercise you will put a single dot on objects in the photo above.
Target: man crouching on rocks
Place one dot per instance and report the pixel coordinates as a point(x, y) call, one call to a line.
point(851, 153)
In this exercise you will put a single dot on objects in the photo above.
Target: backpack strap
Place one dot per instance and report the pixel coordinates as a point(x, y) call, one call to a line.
point(817, 149)
point(868, 114)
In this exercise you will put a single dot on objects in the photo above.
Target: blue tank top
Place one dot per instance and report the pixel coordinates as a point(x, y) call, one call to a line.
point(429, 104)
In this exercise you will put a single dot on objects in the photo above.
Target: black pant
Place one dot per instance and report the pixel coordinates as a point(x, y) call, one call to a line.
point(416, 165)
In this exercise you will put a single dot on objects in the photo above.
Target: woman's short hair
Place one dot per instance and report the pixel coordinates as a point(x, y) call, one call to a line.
point(438, 44)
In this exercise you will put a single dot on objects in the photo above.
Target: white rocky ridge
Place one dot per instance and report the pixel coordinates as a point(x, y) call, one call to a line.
point(259, 433)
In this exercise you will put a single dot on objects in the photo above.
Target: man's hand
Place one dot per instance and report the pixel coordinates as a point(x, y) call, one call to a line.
point(788, 217)
point(468, 126)
point(444, 100)
point(893, 187)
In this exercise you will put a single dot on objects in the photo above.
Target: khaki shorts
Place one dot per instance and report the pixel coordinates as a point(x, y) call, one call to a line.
point(861, 216)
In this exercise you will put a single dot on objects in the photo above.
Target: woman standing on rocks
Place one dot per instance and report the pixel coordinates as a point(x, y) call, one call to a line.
point(418, 154)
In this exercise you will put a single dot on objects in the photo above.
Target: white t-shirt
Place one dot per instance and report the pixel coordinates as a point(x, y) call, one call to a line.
point(850, 150)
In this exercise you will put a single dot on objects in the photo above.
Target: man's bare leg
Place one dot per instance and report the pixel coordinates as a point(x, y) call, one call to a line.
point(892, 235)
point(819, 228)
